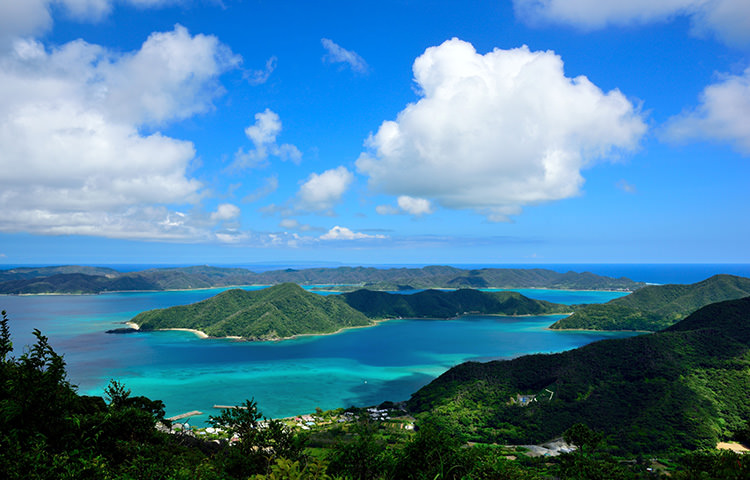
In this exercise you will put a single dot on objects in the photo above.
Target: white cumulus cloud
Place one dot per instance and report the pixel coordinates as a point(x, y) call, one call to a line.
point(414, 206)
point(337, 54)
point(74, 159)
point(727, 19)
point(496, 132)
point(225, 211)
point(263, 134)
point(723, 114)
point(321, 192)
point(173, 76)
point(343, 233)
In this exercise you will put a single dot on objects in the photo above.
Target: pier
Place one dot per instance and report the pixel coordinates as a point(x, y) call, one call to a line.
point(184, 415)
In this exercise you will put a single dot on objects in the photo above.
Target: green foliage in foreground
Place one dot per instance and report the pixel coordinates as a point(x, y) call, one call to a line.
point(48, 431)
point(276, 312)
point(656, 307)
point(681, 389)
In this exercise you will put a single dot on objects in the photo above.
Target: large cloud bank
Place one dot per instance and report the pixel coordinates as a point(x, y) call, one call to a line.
point(32, 17)
point(727, 19)
point(496, 132)
point(75, 159)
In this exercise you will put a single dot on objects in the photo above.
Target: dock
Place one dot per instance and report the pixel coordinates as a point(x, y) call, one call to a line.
point(185, 415)
point(229, 407)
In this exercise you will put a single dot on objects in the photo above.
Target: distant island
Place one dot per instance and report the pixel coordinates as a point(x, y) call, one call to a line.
point(287, 310)
point(93, 280)
point(655, 307)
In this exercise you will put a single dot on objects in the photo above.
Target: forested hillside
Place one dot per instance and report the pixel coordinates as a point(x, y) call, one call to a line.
point(655, 307)
point(272, 313)
point(685, 387)
point(446, 304)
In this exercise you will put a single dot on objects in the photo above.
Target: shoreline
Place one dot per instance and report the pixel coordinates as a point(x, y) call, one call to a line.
point(263, 285)
point(595, 330)
point(203, 335)
point(375, 322)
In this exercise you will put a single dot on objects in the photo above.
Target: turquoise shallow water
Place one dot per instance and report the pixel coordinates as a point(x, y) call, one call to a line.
point(356, 367)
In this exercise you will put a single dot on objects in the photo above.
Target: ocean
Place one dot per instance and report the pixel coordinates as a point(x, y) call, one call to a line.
point(357, 367)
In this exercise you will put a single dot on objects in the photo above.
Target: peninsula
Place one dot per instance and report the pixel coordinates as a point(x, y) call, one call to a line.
point(655, 307)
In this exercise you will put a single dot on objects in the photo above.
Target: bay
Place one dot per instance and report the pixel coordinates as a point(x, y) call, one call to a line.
point(356, 367)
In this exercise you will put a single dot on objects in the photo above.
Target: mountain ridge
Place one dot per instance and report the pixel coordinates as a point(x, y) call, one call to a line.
point(76, 279)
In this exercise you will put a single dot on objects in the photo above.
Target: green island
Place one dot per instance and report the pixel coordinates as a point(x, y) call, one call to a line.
point(91, 280)
point(286, 310)
point(655, 307)
point(645, 407)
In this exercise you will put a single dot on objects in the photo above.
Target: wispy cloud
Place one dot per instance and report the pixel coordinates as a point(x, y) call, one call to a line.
point(337, 54)
point(270, 185)
point(257, 77)
point(626, 187)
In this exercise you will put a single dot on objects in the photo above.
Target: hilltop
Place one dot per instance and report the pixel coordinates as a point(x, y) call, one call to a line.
point(682, 388)
point(286, 310)
point(273, 313)
point(78, 280)
point(656, 306)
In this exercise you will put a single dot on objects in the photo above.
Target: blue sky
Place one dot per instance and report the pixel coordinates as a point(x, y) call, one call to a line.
point(497, 132)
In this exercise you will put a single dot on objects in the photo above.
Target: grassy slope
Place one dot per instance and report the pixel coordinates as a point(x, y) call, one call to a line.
point(656, 307)
point(682, 388)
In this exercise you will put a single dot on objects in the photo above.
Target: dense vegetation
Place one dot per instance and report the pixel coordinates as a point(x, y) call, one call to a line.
point(48, 431)
point(683, 388)
point(447, 304)
point(76, 280)
point(272, 313)
point(655, 307)
point(286, 310)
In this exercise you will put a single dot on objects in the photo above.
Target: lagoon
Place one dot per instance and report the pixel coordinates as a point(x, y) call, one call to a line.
point(356, 367)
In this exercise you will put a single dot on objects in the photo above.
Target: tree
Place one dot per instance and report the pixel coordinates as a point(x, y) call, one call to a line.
point(362, 458)
point(260, 440)
point(582, 437)
point(6, 346)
